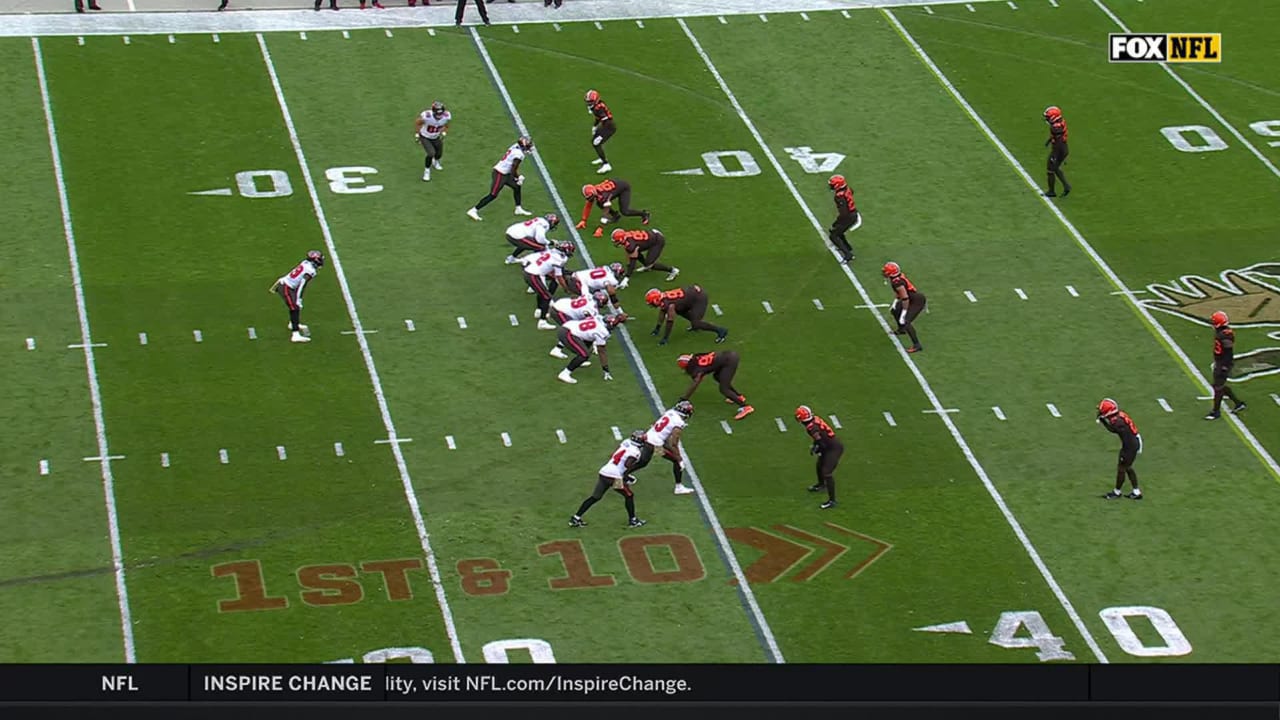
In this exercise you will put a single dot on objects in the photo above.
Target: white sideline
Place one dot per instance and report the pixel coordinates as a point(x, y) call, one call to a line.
point(1124, 291)
point(744, 587)
point(410, 493)
point(91, 366)
point(938, 407)
point(1203, 103)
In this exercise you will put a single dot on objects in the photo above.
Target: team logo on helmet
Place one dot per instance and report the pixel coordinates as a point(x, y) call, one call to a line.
point(1051, 113)
point(619, 237)
point(588, 191)
point(1219, 318)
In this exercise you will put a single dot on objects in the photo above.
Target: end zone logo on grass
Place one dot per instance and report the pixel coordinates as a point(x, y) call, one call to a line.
point(1165, 47)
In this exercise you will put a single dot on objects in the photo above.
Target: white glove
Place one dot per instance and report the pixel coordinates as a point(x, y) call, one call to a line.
point(625, 282)
point(519, 179)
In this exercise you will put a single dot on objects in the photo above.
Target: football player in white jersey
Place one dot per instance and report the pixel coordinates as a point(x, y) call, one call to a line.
point(291, 286)
point(616, 475)
point(531, 235)
point(506, 173)
point(605, 277)
point(544, 274)
point(568, 309)
point(664, 435)
point(581, 337)
point(430, 127)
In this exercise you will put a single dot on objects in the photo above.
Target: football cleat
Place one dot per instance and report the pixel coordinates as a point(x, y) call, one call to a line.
point(1239, 406)
point(592, 97)
point(473, 214)
point(510, 260)
point(301, 328)
point(683, 360)
point(576, 521)
point(828, 505)
point(1135, 495)
point(597, 161)
point(744, 411)
point(1113, 495)
point(525, 142)
point(426, 175)
point(817, 487)
point(1051, 113)
point(653, 296)
point(1219, 319)
point(1108, 407)
point(566, 377)
point(299, 338)
point(684, 407)
point(836, 182)
point(682, 489)
point(315, 257)
point(804, 414)
point(552, 219)
point(544, 325)
point(891, 270)
point(556, 352)
point(720, 336)
point(435, 165)
point(635, 522)
point(644, 217)
point(672, 275)
point(915, 349)
point(588, 191)
point(1213, 415)
point(604, 169)
point(521, 211)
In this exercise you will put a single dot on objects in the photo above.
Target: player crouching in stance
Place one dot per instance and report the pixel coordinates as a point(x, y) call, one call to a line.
point(827, 447)
point(291, 286)
point(616, 475)
point(689, 303)
point(908, 303)
point(581, 337)
point(568, 309)
point(602, 195)
point(720, 365)
point(665, 435)
point(649, 242)
point(1112, 418)
point(543, 273)
point(1224, 358)
point(531, 235)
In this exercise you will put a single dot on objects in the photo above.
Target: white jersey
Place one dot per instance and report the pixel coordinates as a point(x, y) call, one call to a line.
point(535, 229)
point(593, 330)
point(658, 433)
point(600, 278)
point(616, 468)
point(544, 264)
point(578, 308)
point(299, 276)
point(509, 160)
point(433, 127)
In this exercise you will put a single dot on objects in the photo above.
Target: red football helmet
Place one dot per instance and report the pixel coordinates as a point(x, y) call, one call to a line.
point(588, 191)
point(684, 360)
point(836, 182)
point(1108, 407)
point(1051, 113)
point(804, 414)
point(592, 97)
point(1219, 319)
point(653, 297)
point(891, 269)
point(619, 237)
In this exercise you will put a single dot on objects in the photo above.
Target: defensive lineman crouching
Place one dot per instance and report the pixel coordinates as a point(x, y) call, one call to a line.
point(616, 475)
point(664, 435)
point(581, 337)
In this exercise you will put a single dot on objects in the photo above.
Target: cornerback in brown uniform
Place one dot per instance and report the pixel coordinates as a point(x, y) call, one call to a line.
point(1224, 358)
point(1111, 417)
point(847, 217)
point(602, 128)
point(908, 303)
point(827, 447)
point(1058, 152)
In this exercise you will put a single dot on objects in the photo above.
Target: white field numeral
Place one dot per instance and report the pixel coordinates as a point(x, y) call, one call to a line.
point(277, 184)
point(1117, 621)
point(715, 163)
point(495, 653)
point(812, 162)
point(1048, 646)
point(415, 655)
point(351, 180)
point(1267, 128)
point(1210, 141)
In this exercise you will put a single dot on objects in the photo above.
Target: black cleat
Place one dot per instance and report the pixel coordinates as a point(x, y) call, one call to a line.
point(1113, 495)
point(1050, 194)
point(577, 522)
point(1213, 415)
point(635, 522)
point(1239, 406)
point(816, 487)
point(1134, 496)
point(828, 505)
point(720, 336)
point(1066, 191)
point(644, 217)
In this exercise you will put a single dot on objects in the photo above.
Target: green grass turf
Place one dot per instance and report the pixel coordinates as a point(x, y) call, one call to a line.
point(937, 197)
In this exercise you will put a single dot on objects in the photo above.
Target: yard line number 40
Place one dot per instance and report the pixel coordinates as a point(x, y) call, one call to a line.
point(1051, 647)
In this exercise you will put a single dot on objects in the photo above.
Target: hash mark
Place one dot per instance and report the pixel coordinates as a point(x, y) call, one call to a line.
point(253, 333)
point(888, 417)
point(172, 40)
point(717, 309)
point(941, 412)
point(970, 7)
point(515, 29)
point(1053, 3)
point(999, 413)
point(164, 459)
point(280, 453)
point(431, 32)
point(767, 307)
point(763, 18)
point(80, 40)
point(216, 38)
point(222, 456)
point(1053, 410)
point(599, 26)
point(409, 325)
point(722, 20)
point(462, 322)
point(199, 336)
point(556, 26)
point(389, 34)
point(44, 467)
point(346, 35)
point(782, 427)
point(928, 9)
point(1020, 293)
point(969, 294)
point(126, 39)
point(513, 319)
point(31, 343)
point(805, 16)
point(560, 436)
point(640, 23)
point(506, 439)
point(1072, 290)
point(302, 35)
point(142, 338)
point(844, 13)
point(339, 450)
point(727, 430)
point(617, 434)
point(1011, 5)
point(1164, 404)
point(1276, 398)
point(449, 443)
point(835, 421)
point(818, 304)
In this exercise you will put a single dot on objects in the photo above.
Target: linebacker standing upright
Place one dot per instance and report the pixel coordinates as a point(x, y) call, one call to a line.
point(1058, 151)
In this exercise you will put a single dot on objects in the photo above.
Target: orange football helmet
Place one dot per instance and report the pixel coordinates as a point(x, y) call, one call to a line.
point(1051, 113)
point(1219, 319)
point(653, 297)
point(684, 360)
point(804, 414)
point(619, 237)
point(836, 182)
point(1108, 407)
point(891, 269)
point(588, 191)
point(592, 97)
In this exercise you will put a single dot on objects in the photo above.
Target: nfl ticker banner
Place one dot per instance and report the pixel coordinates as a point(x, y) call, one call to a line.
point(640, 683)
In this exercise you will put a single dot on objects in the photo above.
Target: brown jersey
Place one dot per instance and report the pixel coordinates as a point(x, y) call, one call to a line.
point(1224, 346)
point(1058, 132)
point(640, 240)
point(707, 363)
point(605, 191)
point(603, 115)
point(682, 299)
point(824, 438)
point(901, 281)
point(845, 205)
point(1121, 424)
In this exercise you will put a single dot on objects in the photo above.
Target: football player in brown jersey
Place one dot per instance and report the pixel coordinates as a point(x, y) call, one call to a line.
point(720, 365)
point(1224, 358)
point(602, 195)
point(602, 129)
point(1058, 152)
point(847, 217)
point(649, 243)
point(907, 304)
point(689, 303)
point(827, 447)
point(1111, 417)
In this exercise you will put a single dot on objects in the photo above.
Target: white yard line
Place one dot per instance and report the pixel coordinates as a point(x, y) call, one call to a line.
point(1203, 103)
point(744, 587)
point(1169, 342)
point(902, 353)
point(91, 365)
point(410, 493)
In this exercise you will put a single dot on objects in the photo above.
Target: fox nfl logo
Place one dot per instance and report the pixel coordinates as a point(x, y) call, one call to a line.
point(1165, 47)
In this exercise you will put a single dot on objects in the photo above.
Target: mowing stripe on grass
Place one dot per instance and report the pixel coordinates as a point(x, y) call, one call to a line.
point(91, 366)
point(1203, 103)
point(1084, 244)
point(902, 353)
point(757, 618)
point(410, 493)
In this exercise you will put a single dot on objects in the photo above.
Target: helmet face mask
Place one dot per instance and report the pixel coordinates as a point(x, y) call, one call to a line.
point(552, 219)
point(592, 97)
point(891, 269)
point(804, 414)
point(315, 257)
point(684, 407)
point(653, 296)
point(566, 248)
point(638, 437)
point(1108, 407)
point(525, 142)
point(437, 109)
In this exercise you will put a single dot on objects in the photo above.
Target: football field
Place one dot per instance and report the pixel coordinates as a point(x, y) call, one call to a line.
point(183, 484)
